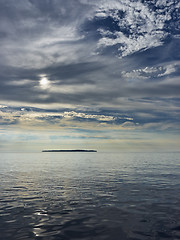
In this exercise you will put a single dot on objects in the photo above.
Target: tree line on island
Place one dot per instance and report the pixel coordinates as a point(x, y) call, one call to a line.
point(73, 150)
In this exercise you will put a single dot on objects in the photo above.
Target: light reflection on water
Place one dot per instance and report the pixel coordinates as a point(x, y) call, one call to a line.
point(90, 196)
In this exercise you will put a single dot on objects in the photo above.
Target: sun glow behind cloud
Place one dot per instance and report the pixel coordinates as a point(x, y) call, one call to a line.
point(44, 82)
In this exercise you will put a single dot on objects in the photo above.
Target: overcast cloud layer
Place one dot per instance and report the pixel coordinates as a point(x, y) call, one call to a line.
point(90, 64)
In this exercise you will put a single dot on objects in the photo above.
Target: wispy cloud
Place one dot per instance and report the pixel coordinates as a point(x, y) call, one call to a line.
point(152, 72)
point(135, 26)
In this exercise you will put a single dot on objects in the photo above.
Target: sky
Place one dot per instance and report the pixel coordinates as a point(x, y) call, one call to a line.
point(88, 74)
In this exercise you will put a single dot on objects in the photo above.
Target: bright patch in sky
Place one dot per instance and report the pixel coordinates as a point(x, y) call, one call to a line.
point(44, 82)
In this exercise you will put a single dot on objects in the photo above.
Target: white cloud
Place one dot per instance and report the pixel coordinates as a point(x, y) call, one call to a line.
point(168, 70)
point(25, 118)
point(3, 106)
point(73, 114)
point(145, 27)
point(72, 88)
point(150, 72)
point(129, 125)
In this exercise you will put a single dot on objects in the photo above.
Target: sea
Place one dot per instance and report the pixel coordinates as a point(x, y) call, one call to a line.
point(90, 196)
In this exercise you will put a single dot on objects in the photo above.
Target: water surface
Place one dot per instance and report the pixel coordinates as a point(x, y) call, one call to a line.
point(89, 196)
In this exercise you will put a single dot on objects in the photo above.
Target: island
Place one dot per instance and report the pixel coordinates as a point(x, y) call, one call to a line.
point(76, 150)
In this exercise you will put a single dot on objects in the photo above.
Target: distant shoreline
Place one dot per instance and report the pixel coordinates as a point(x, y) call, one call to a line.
point(76, 150)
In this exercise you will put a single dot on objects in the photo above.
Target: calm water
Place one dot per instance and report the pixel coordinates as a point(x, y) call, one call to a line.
point(90, 196)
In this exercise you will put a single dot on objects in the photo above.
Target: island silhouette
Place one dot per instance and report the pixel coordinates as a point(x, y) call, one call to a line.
point(73, 150)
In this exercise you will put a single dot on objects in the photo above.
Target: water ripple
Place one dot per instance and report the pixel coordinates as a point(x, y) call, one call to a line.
point(109, 197)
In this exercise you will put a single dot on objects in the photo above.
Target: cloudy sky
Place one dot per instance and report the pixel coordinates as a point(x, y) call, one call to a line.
point(90, 74)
